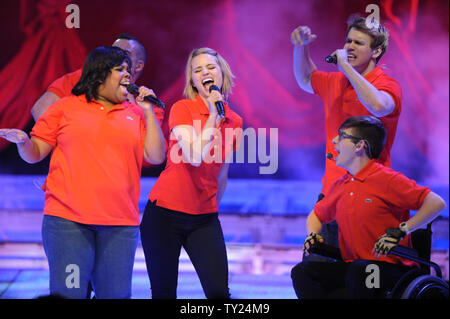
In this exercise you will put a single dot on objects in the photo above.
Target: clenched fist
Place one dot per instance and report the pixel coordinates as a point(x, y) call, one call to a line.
point(302, 36)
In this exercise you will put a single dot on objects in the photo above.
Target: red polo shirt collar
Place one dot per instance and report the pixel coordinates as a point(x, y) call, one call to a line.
point(372, 75)
point(93, 102)
point(365, 172)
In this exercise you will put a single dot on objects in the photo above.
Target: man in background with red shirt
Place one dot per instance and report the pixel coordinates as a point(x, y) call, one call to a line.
point(371, 205)
point(359, 88)
point(63, 86)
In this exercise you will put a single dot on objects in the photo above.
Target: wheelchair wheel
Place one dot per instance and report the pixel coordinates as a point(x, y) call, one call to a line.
point(426, 287)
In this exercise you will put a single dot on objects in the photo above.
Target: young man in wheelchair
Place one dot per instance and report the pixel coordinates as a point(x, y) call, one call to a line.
point(371, 205)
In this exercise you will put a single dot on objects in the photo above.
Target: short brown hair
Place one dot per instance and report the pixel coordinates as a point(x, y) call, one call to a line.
point(379, 35)
point(370, 129)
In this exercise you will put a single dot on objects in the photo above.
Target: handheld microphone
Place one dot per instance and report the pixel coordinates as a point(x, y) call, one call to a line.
point(134, 89)
point(331, 59)
point(330, 156)
point(219, 104)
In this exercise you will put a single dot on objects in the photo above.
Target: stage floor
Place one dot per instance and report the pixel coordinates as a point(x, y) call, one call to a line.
point(255, 273)
point(261, 251)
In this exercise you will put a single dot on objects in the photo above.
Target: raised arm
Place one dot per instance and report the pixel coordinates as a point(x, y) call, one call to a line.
point(301, 37)
point(377, 102)
point(195, 147)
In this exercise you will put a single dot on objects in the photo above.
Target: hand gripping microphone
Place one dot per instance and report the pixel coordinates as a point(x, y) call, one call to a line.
point(219, 104)
point(134, 89)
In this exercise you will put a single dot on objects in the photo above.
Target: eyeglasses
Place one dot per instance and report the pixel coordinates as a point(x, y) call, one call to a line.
point(342, 135)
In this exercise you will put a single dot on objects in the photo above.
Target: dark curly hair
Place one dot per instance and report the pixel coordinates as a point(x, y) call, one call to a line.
point(96, 69)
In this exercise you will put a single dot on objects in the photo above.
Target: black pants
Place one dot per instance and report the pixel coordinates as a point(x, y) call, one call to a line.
point(323, 280)
point(164, 232)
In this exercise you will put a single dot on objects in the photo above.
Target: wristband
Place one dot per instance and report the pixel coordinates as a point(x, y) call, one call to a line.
point(404, 227)
point(396, 233)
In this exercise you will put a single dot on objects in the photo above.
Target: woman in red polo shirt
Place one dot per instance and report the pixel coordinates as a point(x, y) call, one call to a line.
point(90, 225)
point(183, 205)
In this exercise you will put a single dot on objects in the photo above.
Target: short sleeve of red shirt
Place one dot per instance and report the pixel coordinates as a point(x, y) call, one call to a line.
point(319, 82)
point(47, 126)
point(180, 115)
point(392, 87)
point(325, 209)
point(63, 86)
point(406, 193)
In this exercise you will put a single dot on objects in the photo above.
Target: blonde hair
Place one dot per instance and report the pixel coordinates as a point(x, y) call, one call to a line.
point(190, 91)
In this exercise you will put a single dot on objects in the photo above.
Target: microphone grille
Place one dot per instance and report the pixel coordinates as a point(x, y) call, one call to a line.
point(133, 89)
point(331, 59)
point(215, 88)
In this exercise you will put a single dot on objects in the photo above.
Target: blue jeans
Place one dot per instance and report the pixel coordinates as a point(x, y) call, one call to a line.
point(79, 253)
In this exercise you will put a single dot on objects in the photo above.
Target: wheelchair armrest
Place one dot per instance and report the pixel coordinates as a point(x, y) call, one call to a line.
point(326, 251)
point(405, 252)
point(412, 254)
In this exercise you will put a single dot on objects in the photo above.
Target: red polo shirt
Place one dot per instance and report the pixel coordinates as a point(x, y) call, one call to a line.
point(341, 102)
point(182, 186)
point(94, 174)
point(364, 205)
point(63, 86)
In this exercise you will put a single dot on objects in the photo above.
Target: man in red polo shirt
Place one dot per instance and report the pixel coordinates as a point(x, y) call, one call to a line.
point(359, 88)
point(63, 86)
point(370, 199)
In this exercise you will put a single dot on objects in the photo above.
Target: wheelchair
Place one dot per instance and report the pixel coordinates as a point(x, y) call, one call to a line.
point(417, 283)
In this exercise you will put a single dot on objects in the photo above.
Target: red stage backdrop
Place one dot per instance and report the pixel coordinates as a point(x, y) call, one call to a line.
point(254, 37)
